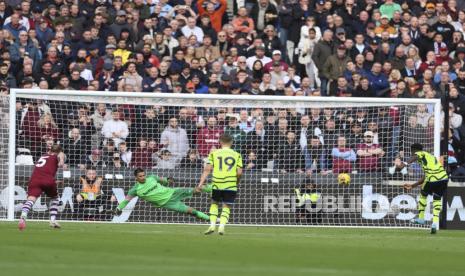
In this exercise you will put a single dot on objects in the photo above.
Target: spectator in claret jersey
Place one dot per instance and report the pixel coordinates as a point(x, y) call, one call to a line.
point(142, 156)
point(207, 138)
point(369, 154)
point(343, 157)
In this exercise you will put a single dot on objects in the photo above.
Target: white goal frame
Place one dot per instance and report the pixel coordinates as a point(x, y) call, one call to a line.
point(191, 100)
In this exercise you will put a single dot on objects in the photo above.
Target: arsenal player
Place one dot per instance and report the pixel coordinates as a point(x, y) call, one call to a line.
point(43, 181)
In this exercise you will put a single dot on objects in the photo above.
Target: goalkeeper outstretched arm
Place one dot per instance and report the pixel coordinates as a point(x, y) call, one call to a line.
point(203, 178)
point(124, 203)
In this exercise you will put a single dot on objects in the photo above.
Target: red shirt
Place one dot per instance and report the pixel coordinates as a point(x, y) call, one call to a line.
point(207, 139)
point(367, 163)
point(342, 165)
point(45, 169)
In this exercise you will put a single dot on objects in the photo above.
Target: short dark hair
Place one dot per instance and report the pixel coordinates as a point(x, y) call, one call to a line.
point(416, 147)
point(137, 171)
point(226, 139)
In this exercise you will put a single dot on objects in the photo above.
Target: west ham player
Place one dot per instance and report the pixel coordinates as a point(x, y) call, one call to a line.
point(43, 181)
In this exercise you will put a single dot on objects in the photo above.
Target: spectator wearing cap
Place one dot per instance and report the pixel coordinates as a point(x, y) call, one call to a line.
point(384, 26)
point(225, 86)
point(276, 58)
point(119, 24)
point(259, 55)
point(340, 37)
point(443, 56)
point(107, 79)
point(335, 65)
point(207, 47)
point(242, 23)
point(369, 154)
point(215, 11)
point(277, 73)
point(322, 51)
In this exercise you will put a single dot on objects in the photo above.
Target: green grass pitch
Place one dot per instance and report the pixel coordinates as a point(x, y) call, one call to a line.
point(129, 249)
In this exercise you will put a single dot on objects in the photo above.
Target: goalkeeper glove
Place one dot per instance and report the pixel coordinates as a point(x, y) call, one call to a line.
point(117, 211)
point(170, 180)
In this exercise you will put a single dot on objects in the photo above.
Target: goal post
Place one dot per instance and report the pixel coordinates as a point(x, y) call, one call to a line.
point(291, 167)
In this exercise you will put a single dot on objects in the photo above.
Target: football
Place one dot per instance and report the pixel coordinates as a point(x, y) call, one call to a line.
point(343, 179)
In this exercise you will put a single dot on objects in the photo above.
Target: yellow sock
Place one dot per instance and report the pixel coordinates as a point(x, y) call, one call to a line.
point(213, 214)
point(421, 207)
point(224, 215)
point(437, 206)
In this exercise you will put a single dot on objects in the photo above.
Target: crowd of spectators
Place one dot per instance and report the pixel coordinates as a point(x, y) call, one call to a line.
point(358, 48)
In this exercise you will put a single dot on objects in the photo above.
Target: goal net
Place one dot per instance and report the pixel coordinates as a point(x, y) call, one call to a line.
point(294, 149)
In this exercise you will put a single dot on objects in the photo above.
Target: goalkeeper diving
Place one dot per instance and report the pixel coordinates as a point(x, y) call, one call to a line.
point(152, 189)
point(434, 182)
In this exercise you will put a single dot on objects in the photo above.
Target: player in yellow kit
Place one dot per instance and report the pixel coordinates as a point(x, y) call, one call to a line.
point(225, 165)
point(434, 182)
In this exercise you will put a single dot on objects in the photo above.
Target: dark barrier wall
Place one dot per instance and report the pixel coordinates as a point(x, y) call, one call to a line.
point(264, 198)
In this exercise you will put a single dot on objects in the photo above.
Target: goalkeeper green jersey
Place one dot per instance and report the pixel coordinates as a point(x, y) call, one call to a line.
point(225, 162)
point(434, 171)
point(152, 190)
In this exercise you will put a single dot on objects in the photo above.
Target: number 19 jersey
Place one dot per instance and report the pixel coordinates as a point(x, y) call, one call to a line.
point(225, 162)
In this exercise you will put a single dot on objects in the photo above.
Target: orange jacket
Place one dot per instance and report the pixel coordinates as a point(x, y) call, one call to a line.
point(238, 27)
point(216, 16)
